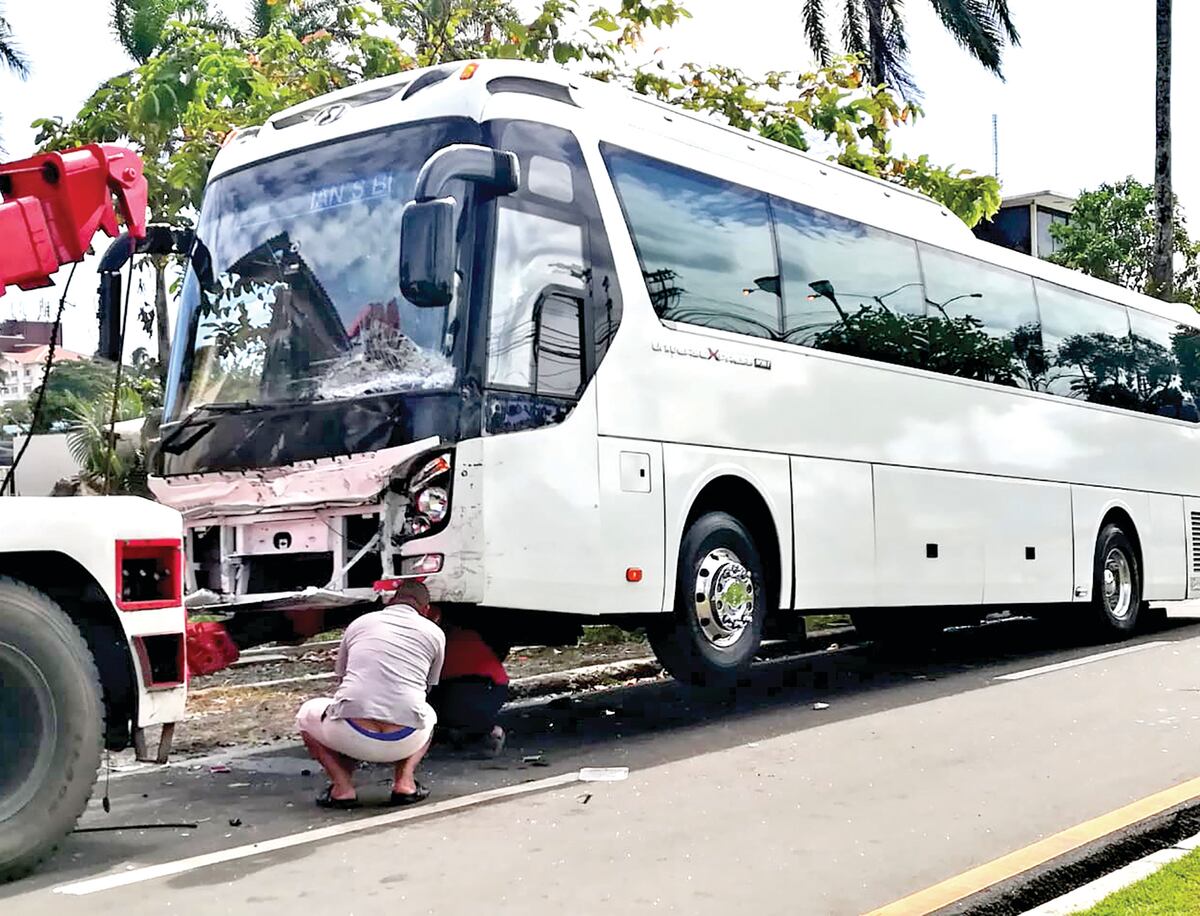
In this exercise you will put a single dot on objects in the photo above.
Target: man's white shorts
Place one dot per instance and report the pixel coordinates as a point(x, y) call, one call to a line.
point(345, 737)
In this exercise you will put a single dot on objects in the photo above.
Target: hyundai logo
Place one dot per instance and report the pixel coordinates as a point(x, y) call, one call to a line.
point(330, 114)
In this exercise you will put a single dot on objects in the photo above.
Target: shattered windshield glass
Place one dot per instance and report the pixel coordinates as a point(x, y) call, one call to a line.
point(293, 289)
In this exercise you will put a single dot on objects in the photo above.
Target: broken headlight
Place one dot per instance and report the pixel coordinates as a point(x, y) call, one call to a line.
point(428, 496)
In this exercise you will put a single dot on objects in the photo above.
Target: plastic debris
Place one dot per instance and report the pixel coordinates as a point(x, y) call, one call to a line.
point(306, 772)
point(219, 768)
point(535, 760)
point(820, 706)
point(235, 822)
point(603, 774)
point(238, 785)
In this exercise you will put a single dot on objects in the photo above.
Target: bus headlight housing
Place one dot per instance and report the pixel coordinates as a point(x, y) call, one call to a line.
point(428, 489)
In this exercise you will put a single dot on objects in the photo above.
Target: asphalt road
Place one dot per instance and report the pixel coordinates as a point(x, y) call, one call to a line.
point(921, 766)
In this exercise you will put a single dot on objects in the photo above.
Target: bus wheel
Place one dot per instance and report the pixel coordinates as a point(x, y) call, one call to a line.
point(720, 605)
point(1116, 585)
point(51, 727)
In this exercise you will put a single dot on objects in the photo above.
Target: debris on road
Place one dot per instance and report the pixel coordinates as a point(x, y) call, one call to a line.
point(603, 774)
point(219, 768)
point(235, 822)
point(535, 760)
point(820, 706)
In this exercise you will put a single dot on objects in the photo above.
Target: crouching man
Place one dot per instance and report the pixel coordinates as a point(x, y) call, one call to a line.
point(388, 661)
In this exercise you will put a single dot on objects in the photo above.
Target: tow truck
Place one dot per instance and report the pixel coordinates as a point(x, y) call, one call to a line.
point(92, 627)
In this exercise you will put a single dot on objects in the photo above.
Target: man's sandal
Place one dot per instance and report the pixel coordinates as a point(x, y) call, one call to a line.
point(399, 799)
point(326, 800)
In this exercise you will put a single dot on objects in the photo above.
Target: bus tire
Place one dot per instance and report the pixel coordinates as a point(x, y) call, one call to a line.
point(51, 727)
point(1116, 585)
point(716, 627)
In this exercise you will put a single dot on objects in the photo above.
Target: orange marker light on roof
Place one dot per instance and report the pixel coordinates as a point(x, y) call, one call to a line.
point(468, 71)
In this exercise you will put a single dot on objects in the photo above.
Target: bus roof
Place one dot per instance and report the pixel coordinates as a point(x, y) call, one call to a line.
point(464, 89)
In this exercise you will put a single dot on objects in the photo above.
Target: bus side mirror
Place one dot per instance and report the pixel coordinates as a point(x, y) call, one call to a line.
point(427, 253)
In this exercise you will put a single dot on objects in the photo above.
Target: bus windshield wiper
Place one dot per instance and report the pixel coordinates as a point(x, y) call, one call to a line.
point(200, 422)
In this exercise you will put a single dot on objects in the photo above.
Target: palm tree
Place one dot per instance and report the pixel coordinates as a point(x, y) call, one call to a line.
point(1162, 268)
point(141, 25)
point(10, 55)
point(298, 18)
point(876, 30)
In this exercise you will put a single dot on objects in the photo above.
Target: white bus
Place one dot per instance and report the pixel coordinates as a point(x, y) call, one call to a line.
point(626, 364)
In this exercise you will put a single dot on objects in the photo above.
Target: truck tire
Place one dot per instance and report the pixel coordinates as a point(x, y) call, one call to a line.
point(1116, 586)
point(51, 727)
point(720, 605)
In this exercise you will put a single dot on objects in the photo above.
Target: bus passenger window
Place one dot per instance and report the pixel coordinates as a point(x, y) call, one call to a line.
point(704, 244)
point(848, 287)
point(533, 253)
point(1165, 366)
point(983, 320)
point(1088, 349)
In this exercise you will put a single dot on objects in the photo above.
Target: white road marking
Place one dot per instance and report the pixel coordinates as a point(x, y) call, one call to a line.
point(167, 869)
point(1086, 660)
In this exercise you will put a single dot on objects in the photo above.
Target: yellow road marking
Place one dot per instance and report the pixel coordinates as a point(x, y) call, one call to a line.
point(982, 877)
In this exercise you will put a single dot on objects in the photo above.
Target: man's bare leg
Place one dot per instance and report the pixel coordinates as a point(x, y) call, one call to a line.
point(334, 765)
point(405, 782)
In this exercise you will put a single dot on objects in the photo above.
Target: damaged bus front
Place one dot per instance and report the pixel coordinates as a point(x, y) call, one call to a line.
point(328, 393)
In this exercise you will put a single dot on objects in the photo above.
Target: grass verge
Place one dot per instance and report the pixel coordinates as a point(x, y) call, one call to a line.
point(1173, 890)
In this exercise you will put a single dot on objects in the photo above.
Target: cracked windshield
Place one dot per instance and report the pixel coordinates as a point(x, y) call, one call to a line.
point(293, 292)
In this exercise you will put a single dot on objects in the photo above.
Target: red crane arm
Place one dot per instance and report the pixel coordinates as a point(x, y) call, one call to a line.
point(51, 205)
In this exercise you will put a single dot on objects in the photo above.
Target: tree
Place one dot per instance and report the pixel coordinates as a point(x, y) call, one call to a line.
point(1162, 273)
point(11, 57)
point(301, 19)
point(876, 30)
point(107, 466)
point(72, 382)
point(1111, 236)
point(10, 53)
point(835, 105)
point(141, 26)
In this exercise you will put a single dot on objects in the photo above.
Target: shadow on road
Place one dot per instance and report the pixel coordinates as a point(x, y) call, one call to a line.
point(267, 794)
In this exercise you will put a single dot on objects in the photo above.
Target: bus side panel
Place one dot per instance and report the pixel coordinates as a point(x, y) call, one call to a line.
point(1164, 549)
point(688, 469)
point(929, 538)
point(1089, 505)
point(1028, 554)
point(541, 515)
point(834, 520)
point(631, 527)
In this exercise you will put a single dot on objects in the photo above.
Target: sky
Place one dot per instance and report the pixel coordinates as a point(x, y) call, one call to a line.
point(1075, 107)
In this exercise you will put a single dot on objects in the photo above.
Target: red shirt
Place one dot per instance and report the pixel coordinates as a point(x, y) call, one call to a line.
point(468, 655)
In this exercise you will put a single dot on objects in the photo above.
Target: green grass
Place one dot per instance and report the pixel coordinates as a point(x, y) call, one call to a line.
point(1173, 890)
point(608, 635)
point(826, 621)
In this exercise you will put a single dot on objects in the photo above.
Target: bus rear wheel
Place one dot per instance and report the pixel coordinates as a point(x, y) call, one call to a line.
point(1116, 585)
point(51, 727)
point(720, 605)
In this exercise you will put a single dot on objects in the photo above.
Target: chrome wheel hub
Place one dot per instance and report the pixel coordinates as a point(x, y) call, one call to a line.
point(1118, 584)
point(723, 598)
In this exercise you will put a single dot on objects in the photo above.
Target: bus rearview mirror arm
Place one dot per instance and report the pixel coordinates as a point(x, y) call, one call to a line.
point(428, 249)
point(496, 170)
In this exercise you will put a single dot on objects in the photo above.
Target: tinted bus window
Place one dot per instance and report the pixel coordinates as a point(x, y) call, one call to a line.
point(704, 244)
point(1160, 348)
point(983, 320)
point(1088, 350)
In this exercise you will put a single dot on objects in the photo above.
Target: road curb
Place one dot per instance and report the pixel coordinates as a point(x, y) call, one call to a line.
point(1049, 881)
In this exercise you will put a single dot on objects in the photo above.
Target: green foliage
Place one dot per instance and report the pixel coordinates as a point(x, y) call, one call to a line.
point(833, 104)
point(106, 465)
point(10, 53)
point(1111, 236)
point(84, 380)
point(1170, 891)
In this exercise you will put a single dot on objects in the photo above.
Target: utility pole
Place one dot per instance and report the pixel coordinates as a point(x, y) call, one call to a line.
point(995, 147)
point(1162, 269)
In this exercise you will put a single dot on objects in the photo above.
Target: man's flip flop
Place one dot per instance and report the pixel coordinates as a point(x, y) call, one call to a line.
point(326, 800)
point(409, 798)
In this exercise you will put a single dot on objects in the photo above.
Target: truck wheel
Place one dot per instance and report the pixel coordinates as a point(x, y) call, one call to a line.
point(1116, 585)
point(51, 727)
point(720, 605)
